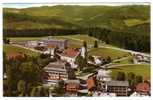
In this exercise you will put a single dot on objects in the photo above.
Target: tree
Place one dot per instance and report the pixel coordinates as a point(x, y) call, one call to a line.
point(96, 44)
point(81, 62)
point(85, 44)
point(34, 92)
point(120, 76)
point(138, 79)
point(21, 87)
point(59, 89)
point(109, 60)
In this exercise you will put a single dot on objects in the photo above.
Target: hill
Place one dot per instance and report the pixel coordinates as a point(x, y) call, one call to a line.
point(123, 26)
point(65, 16)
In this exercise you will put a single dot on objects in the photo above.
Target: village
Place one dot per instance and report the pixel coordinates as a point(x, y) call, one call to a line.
point(69, 66)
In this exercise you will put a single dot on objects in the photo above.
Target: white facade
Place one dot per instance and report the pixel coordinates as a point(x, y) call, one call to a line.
point(83, 52)
point(31, 44)
point(68, 59)
point(103, 75)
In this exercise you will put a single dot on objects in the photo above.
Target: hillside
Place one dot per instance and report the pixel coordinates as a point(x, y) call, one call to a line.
point(117, 18)
point(126, 27)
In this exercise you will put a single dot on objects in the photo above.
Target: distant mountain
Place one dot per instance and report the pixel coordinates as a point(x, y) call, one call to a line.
point(134, 18)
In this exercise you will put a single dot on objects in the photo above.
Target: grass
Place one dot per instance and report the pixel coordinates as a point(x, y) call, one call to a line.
point(105, 52)
point(9, 48)
point(128, 60)
point(20, 39)
point(133, 22)
point(139, 69)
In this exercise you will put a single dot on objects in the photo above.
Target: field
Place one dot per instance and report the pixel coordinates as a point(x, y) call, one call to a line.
point(127, 60)
point(133, 22)
point(105, 52)
point(9, 48)
point(19, 39)
point(143, 69)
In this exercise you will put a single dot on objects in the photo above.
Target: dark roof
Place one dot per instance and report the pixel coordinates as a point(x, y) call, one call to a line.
point(117, 83)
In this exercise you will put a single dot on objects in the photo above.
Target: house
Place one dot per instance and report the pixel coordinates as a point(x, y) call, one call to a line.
point(120, 88)
point(60, 43)
point(54, 72)
point(143, 88)
point(72, 86)
point(69, 55)
point(50, 50)
point(31, 44)
point(91, 84)
point(103, 75)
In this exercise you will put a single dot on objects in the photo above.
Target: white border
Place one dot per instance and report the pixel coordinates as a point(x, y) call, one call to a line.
point(67, 1)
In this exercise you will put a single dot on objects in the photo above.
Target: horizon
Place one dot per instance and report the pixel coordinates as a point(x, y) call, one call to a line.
point(29, 5)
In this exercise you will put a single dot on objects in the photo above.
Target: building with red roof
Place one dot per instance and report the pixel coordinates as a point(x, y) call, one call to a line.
point(91, 83)
point(69, 55)
point(143, 88)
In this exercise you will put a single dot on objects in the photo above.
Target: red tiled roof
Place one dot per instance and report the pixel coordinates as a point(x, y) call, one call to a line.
point(143, 87)
point(70, 52)
point(90, 82)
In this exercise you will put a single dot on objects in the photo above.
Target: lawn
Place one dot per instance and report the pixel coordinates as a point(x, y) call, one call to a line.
point(9, 48)
point(133, 22)
point(105, 52)
point(88, 39)
point(19, 39)
point(128, 60)
point(139, 69)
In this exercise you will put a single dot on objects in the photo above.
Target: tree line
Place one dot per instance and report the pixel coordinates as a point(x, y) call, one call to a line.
point(126, 40)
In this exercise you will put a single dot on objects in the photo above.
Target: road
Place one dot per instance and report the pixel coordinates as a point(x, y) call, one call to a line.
point(27, 48)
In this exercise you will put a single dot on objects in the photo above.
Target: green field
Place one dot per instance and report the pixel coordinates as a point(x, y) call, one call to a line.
point(19, 39)
point(128, 60)
point(143, 69)
point(105, 52)
point(133, 22)
point(9, 48)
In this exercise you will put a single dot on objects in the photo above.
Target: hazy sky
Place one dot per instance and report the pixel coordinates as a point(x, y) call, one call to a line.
point(26, 5)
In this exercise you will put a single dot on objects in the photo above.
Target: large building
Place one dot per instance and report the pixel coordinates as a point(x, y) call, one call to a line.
point(54, 72)
point(60, 43)
point(69, 55)
point(72, 86)
point(120, 88)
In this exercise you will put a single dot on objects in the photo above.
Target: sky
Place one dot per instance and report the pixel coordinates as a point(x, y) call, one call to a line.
point(27, 5)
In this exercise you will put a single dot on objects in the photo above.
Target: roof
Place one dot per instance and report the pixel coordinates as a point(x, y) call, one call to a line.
point(143, 87)
point(70, 52)
point(90, 82)
point(53, 39)
point(117, 83)
point(55, 65)
point(72, 81)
